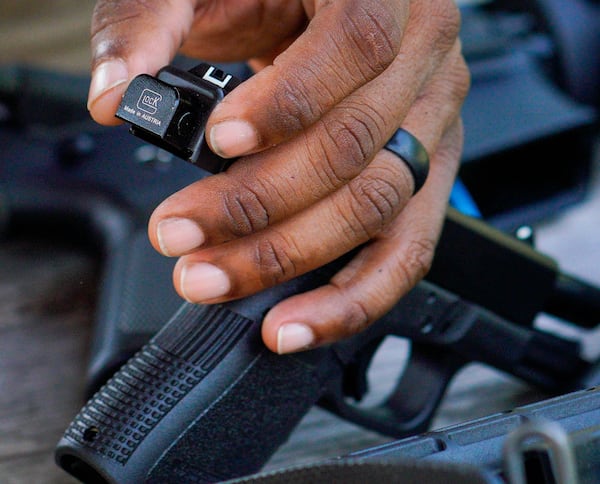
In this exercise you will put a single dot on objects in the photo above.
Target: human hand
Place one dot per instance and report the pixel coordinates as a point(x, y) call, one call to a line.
point(335, 80)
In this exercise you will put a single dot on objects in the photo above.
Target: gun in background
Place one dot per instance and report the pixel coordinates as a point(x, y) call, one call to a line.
point(548, 442)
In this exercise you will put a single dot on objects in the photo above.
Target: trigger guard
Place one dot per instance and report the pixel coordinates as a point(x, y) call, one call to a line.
point(412, 404)
point(355, 383)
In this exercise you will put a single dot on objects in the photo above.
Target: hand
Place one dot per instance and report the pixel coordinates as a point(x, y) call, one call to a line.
point(335, 80)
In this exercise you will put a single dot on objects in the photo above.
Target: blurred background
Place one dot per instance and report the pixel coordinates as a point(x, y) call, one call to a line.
point(531, 158)
point(53, 33)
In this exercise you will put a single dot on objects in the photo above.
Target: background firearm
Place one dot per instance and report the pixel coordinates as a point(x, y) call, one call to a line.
point(548, 442)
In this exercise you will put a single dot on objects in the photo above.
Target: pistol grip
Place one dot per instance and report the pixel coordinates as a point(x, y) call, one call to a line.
point(202, 402)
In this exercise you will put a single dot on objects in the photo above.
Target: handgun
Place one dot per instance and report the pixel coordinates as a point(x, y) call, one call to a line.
point(204, 400)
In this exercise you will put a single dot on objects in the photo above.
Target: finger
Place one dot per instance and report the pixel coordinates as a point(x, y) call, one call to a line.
point(130, 37)
point(234, 30)
point(352, 215)
point(346, 44)
point(260, 191)
point(385, 270)
point(398, 257)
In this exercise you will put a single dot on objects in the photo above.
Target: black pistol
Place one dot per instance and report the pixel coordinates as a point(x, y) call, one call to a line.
point(205, 401)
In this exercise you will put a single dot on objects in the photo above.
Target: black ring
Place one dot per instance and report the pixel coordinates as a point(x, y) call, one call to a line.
point(413, 153)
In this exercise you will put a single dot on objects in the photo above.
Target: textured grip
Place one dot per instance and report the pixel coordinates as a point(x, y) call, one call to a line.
point(173, 409)
point(141, 393)
point(204, 401)
point(132, 403)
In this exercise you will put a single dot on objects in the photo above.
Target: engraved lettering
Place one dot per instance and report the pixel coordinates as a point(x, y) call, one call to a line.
point(148, 101)
point(151, 119)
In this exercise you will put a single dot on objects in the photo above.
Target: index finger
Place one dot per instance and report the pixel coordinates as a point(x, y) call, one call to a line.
point(346, 44)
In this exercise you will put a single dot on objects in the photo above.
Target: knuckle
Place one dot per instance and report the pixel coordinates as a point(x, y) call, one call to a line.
point(455, 75)
point(244, 211)
point(416, 260)
point(350, 142)
point(354, 140)
point(448, 88)
point(276, 260)
point(442, 20)
point(378, 199)
point(461, 78)
point(446, 16)
point(374, 33)
point(356, 314)
point(108, 13)
point(107, 18)
point(293, 104)
point(114, 27)
point(102, 15)
point(356, 318)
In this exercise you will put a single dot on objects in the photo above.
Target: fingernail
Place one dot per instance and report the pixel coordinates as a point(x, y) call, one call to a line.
point(106, 76)
point(176, 236)
point(293, 337)
point(233, 138)
point(203, 281)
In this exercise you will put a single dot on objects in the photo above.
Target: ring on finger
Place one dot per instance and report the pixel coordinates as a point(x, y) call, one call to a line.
point(413, 153)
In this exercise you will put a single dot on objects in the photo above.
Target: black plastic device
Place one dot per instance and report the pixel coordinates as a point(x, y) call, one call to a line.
point(171, 110)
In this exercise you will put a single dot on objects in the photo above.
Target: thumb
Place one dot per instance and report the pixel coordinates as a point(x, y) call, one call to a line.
point(128, 38)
